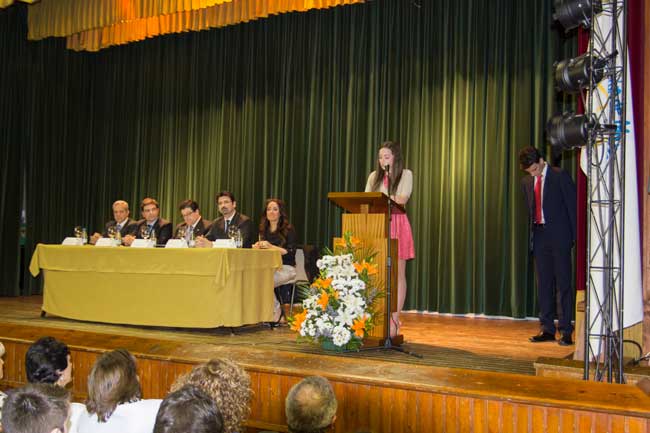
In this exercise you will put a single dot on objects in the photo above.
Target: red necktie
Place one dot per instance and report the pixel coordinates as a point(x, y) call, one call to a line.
point(538, 199)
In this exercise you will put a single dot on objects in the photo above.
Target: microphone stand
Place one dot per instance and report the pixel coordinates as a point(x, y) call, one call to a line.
point(388, 342)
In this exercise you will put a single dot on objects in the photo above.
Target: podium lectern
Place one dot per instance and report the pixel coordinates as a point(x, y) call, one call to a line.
point(367, 219)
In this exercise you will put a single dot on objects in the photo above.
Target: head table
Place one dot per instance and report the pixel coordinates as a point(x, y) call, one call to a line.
point(176, 287)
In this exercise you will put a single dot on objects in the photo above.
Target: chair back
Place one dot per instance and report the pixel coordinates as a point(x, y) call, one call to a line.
point(301, 275)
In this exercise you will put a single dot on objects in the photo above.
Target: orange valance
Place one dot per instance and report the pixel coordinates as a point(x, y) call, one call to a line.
point(6, 3)
point(91, 25)
point(65, 17)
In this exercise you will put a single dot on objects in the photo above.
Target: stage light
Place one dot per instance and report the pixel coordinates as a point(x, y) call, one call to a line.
point(569, 130)
point(572, 75)
point(572, 13)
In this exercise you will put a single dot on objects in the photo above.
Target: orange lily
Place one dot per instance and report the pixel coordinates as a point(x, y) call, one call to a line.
point(370, 267)
point(355, 241)
point(324, 300)
point(298, 318)
point(359, 326)
point(322, 283)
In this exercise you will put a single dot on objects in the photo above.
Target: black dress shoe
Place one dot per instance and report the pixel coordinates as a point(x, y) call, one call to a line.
point(541, 337)
point(565, 340)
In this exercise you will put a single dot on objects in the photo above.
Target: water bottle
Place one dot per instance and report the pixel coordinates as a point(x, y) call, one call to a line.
point(84, 235)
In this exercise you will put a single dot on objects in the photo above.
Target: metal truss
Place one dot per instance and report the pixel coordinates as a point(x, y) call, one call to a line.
point(605, 107)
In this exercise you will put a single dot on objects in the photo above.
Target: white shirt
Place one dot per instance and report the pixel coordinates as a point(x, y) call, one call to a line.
point(3, 397)
point(76, 409)
point(122, 223)
point(136, 417)
point(543, 180)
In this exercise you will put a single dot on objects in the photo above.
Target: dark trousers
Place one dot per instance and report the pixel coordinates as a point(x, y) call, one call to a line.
point(553, 265)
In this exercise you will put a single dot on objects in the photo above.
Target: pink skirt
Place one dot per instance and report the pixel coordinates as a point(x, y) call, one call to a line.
point(400, 229)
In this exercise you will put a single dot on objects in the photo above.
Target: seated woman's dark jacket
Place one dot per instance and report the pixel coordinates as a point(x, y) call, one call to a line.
point(288, 242)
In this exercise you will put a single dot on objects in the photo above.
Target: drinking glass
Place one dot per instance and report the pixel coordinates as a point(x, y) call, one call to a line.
point(144, 232)
point(111, 231)
point(78, 232)
point(232, 231)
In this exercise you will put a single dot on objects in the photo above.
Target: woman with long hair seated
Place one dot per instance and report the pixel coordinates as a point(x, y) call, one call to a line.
point(114, 401)
point(227, 384)
point(277, 233)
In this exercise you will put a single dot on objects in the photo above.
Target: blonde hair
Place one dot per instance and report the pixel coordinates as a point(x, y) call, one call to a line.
point(227, 384)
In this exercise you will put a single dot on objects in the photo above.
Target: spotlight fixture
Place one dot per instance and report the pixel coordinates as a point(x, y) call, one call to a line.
point(569, 130)
point(572, 13)
point(573, 75)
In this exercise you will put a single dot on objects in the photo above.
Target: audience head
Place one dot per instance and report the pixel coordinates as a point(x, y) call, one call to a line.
point(36, 408)
point(188, 410)
point(227, 384)
point(2, 363)
point(226, 204)
point(310, 406)
point(48, 361)
point(275, 213)
point(113, 380)
point(150, 209)
point(531, 161)
point(189, 211)
point(120, 211)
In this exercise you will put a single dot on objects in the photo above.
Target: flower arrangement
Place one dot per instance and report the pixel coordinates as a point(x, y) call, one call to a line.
point(338, 310)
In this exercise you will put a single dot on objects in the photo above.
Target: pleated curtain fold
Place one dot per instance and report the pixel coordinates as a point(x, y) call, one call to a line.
point(91, 25)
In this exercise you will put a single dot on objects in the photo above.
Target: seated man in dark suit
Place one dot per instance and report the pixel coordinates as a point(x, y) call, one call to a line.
point(192, 219)
point(121, 221)
point(229, 216)
point(151, 225)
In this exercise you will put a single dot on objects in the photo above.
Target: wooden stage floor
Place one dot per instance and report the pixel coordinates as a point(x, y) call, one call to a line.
point(499, 345)
point(475, 374)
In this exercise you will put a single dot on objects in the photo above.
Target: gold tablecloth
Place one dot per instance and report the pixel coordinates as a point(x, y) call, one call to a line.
point(198, 288)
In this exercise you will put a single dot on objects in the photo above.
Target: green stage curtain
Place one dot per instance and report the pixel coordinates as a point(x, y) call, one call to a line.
point(10, 155)
point(294, 107)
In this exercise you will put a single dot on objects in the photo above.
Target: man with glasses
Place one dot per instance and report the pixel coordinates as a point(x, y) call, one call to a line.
point(193, 224)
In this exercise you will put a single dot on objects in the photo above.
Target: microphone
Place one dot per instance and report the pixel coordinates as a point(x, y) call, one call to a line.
point(387, 168)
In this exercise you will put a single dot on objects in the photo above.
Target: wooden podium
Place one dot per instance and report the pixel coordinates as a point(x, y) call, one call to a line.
point(367, 219)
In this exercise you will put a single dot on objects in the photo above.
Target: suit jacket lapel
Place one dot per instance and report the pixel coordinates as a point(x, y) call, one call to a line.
point(530, 195)
point(548, 182)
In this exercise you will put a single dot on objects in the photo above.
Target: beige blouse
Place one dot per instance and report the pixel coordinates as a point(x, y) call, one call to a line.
point(404, 188)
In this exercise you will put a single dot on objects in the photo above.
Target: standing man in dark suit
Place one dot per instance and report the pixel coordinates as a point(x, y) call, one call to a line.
point(550, 195)
point(229, 216)
point(121, 222)
point(151, 224)
point(192, 219)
